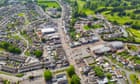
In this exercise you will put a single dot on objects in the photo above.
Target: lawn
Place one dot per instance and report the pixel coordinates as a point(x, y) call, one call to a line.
point(48, 4)
point(19, 75)
point(95, 26)
point(88, 11)
point(120, 20)
point(21, 14)
point(86, 27)
point(15, 37)
point(134, 33)
point(80, 5)
point(81, 8)
point(6, 73)
point(27, 53)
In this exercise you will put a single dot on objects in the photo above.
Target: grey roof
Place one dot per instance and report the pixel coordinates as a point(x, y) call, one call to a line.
point(103, 50)
point(116, 44)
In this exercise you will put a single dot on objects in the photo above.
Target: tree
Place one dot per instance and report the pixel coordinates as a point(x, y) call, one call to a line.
point(43, 40)
point(109, 75)
point(6, 82)
point(75, 80)
point(10, 48)
point(17, 50)
point(38, 53)
point(47, 75)
point(99, 72)
point(71, 71)
point(31, 77)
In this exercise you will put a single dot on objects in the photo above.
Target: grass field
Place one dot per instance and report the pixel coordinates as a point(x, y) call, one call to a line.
point(81, 8)
point(134, 33)
point(121, 20)
point(118, 19)
point(21, 14)
point(48, 4)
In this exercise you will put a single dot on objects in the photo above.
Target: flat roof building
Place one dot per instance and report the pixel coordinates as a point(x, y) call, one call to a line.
point(116, 44)
point(102, 50)
point(48, 30)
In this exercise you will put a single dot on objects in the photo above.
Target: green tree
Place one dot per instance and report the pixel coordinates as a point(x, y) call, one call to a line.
point(17, 50)
point(6, 82)
point(71, 70)
point(109, 75)
point(38, 53)
point(43, 40)
point(99, 72)
point(47, 75)
point(75, 80)
point(10, 48)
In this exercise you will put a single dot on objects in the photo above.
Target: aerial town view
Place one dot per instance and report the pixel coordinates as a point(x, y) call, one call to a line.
point(69, 41)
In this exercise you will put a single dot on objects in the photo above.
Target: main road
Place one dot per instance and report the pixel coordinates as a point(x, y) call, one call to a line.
point(69, 51)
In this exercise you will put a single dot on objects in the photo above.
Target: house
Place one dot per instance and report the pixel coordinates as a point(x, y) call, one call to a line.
point(46, 64)
point(91, 78)
point(137, 66)
point(17, 58)
point(8, 69)
point(52, 66)
point(30, 67)
point(118, 73)
point(89, 60)
point(86, 69)
point(106, 66)
point(83, 41)
point(94, 39)
point(60, 79)
point(103, 81)
point(76, 44)
point(2, 58)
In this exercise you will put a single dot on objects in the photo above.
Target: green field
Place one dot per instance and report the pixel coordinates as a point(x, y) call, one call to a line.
point(122, 12)
point(81, 8)
point(95, 26)
point(21, 14)
point(48, 4)
point(120, 20)
point(134, 33)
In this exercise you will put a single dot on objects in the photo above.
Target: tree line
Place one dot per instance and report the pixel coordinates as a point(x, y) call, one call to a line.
point(10, 48)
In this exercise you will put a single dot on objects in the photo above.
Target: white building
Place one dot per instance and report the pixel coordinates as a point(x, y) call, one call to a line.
point(48, 30)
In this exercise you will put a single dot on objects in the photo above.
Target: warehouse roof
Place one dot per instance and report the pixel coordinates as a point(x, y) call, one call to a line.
point(48, 30)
